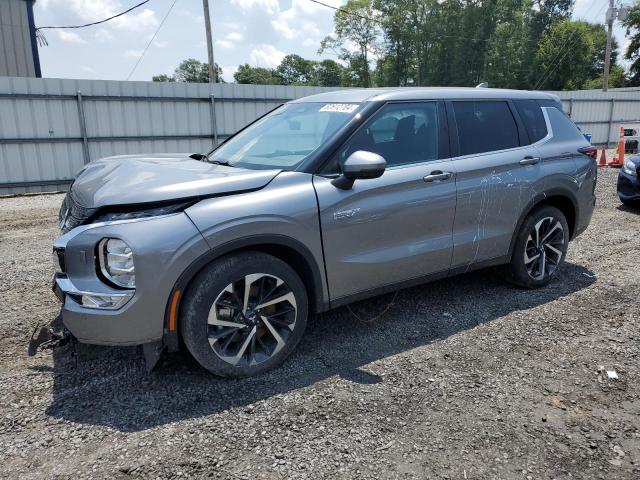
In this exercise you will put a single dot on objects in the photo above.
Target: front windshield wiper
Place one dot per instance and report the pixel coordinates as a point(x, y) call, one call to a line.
point(204, 157)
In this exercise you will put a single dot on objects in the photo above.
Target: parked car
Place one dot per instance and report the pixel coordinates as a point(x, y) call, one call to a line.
point(628, 182)
point(323, 201)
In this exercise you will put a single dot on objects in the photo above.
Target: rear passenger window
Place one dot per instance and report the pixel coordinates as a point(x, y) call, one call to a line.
point(485, 126)
point(531, 114)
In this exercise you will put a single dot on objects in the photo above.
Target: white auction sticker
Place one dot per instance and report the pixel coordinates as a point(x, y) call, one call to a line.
point(339, 107)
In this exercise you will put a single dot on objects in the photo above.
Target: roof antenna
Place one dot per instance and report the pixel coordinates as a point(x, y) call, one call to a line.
point(483, 85)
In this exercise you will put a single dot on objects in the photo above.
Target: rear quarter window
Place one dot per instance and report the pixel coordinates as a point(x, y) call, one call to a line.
point(533, 119)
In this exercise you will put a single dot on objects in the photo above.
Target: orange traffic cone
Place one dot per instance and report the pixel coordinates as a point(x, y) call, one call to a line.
point(602, 162)
point(618, 160)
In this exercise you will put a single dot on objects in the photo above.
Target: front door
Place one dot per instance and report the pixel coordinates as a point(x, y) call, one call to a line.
point(397, 227)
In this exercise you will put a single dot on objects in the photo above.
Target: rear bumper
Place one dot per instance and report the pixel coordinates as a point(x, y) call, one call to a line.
point(628, 186)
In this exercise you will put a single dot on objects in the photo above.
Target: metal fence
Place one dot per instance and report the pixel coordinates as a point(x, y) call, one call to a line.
point(50, 128)
point(601, 113)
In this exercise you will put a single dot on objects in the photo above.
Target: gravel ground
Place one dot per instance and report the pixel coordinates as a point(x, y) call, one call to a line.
point(467, 378)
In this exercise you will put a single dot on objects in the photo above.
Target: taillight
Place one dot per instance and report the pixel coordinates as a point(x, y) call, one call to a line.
point(590, 151)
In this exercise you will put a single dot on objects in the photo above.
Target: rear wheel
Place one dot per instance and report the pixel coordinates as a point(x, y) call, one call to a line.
point(244, 314)
point(540, 248)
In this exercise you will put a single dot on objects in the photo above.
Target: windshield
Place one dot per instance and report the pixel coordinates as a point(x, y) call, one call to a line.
point(286, 136)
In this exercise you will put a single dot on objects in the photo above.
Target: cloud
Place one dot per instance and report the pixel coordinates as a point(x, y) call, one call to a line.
point(76, 11)
point(88, 69)
point(266, 56)
point(224, 43)
point(160, 43)
point(103, 35)
point(271, 6)
point(235, 37)
point(133, 53)
point(70, 37)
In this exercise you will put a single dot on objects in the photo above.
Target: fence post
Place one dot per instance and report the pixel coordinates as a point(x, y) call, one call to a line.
point(83, 129)
point(213, 120)
point(571, 107)
point(613, 102)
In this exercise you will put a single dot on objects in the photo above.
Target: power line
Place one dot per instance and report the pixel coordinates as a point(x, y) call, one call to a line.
point(101, 21)
point(152, 39)
point(560, 56)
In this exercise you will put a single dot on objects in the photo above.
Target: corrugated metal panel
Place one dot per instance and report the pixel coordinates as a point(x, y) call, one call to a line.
point(16, 57)
point(601, 113)
point(137, 117)
point(119, 118)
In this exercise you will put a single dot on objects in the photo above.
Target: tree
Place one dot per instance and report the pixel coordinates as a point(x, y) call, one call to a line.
point(295, 70)
point(617, 79)
point(192, 71)
point(632, 53)
point(354, 24)
point(329, 73)
point(256, 75)
point(569, 55)
point(163, 78)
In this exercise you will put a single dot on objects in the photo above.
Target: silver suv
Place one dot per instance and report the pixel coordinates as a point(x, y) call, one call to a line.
point(325, 200)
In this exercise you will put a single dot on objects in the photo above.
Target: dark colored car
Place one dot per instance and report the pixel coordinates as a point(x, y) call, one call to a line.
point(628, 181)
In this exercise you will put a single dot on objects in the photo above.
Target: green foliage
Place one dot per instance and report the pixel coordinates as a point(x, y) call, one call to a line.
point(354, 25)
point(632, 53)
point(295, 70)
point(256, 75)
point(572, 53)
point(192, 71)
point(617, 79)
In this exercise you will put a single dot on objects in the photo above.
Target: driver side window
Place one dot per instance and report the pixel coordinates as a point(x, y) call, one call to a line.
point(402, 133)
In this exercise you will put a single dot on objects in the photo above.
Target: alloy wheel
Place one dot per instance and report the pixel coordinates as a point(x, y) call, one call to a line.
point(251, 319)
point(544, 248)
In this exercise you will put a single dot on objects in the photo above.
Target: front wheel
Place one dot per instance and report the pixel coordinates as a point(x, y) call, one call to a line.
point(244, 314)
point(540, 248)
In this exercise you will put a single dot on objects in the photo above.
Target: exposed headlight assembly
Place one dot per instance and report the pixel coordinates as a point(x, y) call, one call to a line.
point(630, 167)
point(148, 212)
point(116, 262)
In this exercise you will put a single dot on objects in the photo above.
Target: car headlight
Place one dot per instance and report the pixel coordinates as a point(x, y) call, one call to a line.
point(630, 167)
point(148, 212)
point(116, 262)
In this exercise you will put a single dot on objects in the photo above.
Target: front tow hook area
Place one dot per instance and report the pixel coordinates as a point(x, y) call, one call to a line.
point(47, 336)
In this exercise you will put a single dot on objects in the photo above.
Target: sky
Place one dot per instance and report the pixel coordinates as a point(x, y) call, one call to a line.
point(258, 32)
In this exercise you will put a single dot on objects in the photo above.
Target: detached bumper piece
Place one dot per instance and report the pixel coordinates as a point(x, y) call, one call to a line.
point(48, 336)
point(63, 287)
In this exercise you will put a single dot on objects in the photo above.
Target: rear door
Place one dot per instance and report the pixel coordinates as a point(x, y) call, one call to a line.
point(496, 168)
point(397, 227)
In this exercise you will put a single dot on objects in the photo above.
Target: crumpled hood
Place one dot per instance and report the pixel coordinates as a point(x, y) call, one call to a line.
point(131, 179)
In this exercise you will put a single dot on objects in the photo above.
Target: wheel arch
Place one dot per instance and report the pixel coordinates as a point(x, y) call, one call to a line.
point(561, 199)
point(287, 249)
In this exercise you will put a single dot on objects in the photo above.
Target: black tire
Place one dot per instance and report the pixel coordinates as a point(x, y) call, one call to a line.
point(209, 287)
point(531, 275)
point(630, 203)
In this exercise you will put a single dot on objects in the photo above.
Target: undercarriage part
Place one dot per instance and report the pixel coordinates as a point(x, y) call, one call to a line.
point(48, 336)
point(152, 353)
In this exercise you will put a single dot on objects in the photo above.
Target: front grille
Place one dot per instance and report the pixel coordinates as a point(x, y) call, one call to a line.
point(72, 213)
point(59, 262)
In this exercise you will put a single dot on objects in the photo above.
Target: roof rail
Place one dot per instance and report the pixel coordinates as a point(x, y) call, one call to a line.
point(483, 85)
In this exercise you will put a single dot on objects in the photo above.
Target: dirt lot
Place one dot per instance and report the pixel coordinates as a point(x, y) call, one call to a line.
point(467, 378)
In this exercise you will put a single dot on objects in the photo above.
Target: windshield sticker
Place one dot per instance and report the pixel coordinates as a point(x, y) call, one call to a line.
point(339, 107)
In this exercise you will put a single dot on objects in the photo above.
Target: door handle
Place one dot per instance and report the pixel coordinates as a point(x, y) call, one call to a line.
point(437, 175)
point(529, 160)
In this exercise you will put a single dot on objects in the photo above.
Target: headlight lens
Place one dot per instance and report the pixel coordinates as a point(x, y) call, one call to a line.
point(150, 212)
point(116, 262)
point(630, 167)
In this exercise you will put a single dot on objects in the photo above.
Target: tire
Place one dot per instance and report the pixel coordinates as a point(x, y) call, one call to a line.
point(541, 263)
point(218, 320)
point(630, 203)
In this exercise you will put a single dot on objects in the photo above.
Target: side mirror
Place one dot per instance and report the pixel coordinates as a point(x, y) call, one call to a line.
point(358, 166)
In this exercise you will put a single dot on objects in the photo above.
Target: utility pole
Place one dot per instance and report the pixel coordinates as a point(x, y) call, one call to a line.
point(207, 25)
point(611, 14)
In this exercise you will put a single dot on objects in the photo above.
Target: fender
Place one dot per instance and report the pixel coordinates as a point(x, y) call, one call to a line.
point(319, 302)
point(542, 198)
